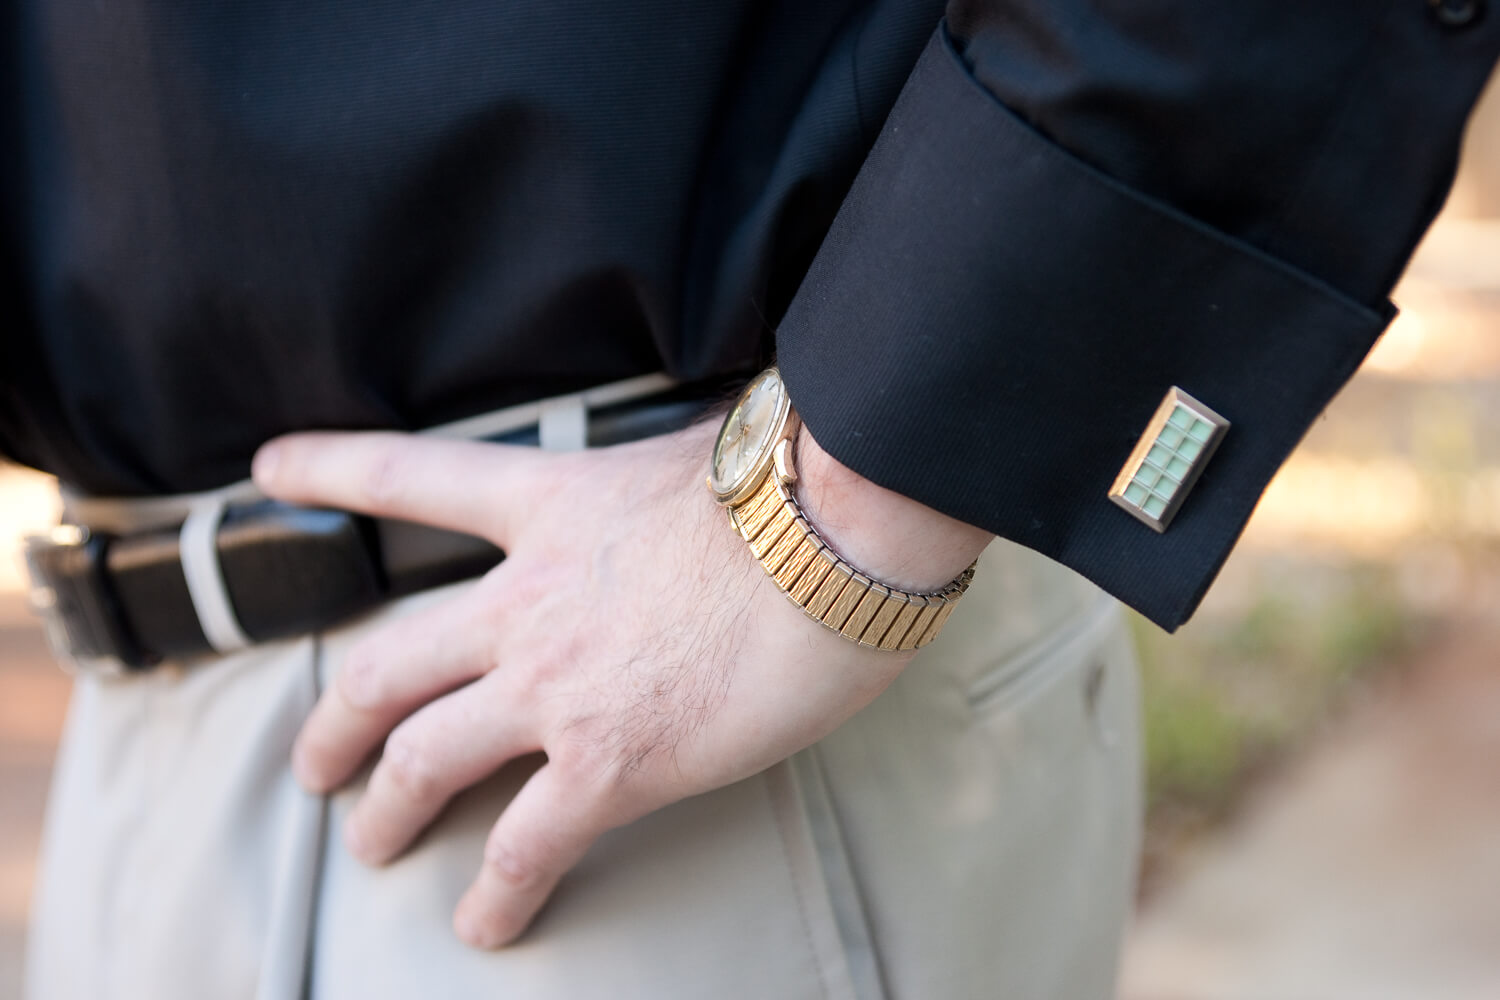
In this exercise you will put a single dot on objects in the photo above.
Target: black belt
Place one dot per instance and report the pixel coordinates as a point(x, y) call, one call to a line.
point(123, 601)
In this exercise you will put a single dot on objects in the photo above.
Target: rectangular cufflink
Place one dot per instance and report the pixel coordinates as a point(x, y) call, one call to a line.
point(1170, 456)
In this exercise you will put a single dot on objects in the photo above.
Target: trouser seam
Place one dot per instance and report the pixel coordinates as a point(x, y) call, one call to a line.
point(315, 900)
point(797, 892)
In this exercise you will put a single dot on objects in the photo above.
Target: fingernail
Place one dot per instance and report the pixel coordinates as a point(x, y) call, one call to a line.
point(472, 929)
point(468, 930)
point(263, 466)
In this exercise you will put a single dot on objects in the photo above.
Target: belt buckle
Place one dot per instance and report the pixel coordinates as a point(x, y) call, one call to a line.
point(68, 594)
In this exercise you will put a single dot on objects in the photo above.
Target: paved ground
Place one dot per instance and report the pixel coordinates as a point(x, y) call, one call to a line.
point(1367, 870)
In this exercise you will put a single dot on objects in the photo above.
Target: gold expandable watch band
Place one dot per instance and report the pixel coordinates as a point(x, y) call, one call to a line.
point(826, 587)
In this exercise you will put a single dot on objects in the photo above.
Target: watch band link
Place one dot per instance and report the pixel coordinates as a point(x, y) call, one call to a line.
point(816, 579)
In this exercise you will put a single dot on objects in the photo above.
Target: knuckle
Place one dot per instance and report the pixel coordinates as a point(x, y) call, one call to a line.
point(529, 678)
point(543, 675)
point(383, 480)
point(534, 587)
point(359, 680)
point(519, 869)
point(410, 768)
point(576, 761)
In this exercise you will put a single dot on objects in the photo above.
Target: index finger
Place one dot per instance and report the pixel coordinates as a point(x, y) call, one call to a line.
point(467, 486)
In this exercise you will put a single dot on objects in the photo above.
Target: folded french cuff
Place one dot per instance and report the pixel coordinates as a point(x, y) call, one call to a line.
point(991, 323)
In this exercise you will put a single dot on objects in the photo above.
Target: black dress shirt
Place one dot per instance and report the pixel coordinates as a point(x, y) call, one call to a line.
point(982, 249)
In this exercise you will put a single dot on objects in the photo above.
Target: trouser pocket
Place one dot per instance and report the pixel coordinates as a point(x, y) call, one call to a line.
point(991, 819)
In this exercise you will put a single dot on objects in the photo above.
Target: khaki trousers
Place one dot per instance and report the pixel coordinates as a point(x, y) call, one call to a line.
point(972, 833)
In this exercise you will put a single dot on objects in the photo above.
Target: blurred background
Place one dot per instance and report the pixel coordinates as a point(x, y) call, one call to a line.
point(1323, 738)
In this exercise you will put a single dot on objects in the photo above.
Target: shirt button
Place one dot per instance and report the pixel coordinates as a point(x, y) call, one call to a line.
point(1456, 13)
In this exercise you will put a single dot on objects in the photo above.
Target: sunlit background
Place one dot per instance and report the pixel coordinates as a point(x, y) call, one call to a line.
point(1324, 737)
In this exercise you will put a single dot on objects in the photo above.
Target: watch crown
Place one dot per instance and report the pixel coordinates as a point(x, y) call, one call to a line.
point(782, 456)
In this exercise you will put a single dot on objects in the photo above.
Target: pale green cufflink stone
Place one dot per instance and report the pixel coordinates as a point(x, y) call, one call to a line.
point(1168, 459)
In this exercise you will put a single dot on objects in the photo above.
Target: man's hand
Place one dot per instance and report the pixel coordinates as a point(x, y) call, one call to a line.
point(629, 635)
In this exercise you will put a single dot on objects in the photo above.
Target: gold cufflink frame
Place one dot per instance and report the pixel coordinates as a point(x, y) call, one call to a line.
point(1168, 459)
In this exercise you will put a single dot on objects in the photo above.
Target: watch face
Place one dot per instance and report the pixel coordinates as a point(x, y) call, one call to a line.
point(748, 434)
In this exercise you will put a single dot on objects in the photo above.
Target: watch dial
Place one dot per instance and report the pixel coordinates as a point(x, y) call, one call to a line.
point(746, 434)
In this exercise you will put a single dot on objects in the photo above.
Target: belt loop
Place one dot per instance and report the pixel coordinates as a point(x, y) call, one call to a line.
point(563, 424)
point(199, 545)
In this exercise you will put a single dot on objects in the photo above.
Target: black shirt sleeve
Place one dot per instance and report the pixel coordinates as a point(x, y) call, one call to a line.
point(1076, 205)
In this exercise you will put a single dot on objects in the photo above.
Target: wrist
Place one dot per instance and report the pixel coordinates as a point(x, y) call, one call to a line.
point(889, 537)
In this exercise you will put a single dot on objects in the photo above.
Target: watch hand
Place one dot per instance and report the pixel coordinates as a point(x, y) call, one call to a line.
point(739, 441)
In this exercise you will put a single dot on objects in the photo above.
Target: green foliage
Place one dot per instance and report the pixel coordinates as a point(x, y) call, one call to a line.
point(1195, 743)
point(1232, 691)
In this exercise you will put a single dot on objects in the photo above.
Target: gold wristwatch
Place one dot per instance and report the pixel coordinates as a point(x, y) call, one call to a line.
point(752, 474)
